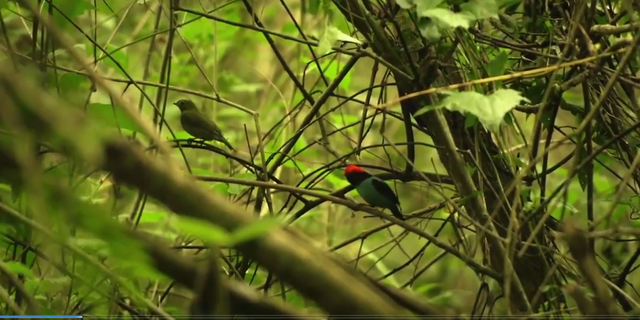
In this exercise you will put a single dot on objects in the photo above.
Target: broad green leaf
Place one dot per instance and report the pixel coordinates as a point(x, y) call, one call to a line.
point(69, 10)
point(446, 17)
point(498, 65)
point(574, 96)
point(405, 4)
point(203, 230)
point(426, 109)
point(221, 188)
point(198, 29)
point(331, 70)
point(255, 230)
point(470, 121)
point(153, 216)
point(429, 30)
point(490, 109)
point(481, 9)
point(19, 269)
point(341, 36)
point(328, 37)
point(432, 21)
point(180, 135)
point(422, 5)
point(111, 116)
point(422, 289)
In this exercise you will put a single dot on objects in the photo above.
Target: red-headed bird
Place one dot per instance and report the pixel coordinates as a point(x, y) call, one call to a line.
point(373, 190)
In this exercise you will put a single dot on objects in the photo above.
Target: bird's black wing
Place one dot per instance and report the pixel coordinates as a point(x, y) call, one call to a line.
point(384, 189)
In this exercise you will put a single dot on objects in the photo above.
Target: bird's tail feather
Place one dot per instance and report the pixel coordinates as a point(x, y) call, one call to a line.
point(397, 213)
point(226, 143)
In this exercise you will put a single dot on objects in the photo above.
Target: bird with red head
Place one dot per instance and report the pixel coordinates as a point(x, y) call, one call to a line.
point(373, 190)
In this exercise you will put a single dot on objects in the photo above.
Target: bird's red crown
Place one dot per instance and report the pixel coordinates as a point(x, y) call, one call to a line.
point(352, 168)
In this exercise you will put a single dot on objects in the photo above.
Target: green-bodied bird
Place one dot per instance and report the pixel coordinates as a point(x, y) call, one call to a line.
point(373, 190)
point(198, 125)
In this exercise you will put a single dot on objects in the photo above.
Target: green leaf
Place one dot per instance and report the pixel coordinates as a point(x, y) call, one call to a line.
point(69, 10)
point(481, 9)
point(427, 4)
point(198, 29)
point(180, 135)
point(255, 230)
point(490, 109)
point(429, 30)
point(470, 121)
point(405, 4)
point(426, 109)
point(153, 216)
point(341, 36)
point(111, 116)
point(20, 269)
point(327, 38)
point(313, 6)
point(203, 230)
point(72, 83)
point(574, 96)
point(498, 65)
point(446, 17)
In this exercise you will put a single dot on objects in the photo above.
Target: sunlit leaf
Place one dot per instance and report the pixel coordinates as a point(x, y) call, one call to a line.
point(481, 9)
point(327, 39)
point(198, 29)
point(153, 216)
point(341, 36)
point(69, 10)
point(446, 17)
point(489, 109)
point(405, 4)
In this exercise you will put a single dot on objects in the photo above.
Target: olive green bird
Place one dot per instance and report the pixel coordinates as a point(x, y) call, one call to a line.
point(198, 125)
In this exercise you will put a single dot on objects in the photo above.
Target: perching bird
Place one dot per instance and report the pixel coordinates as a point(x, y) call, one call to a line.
point(373, 190)
point(198, 125)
